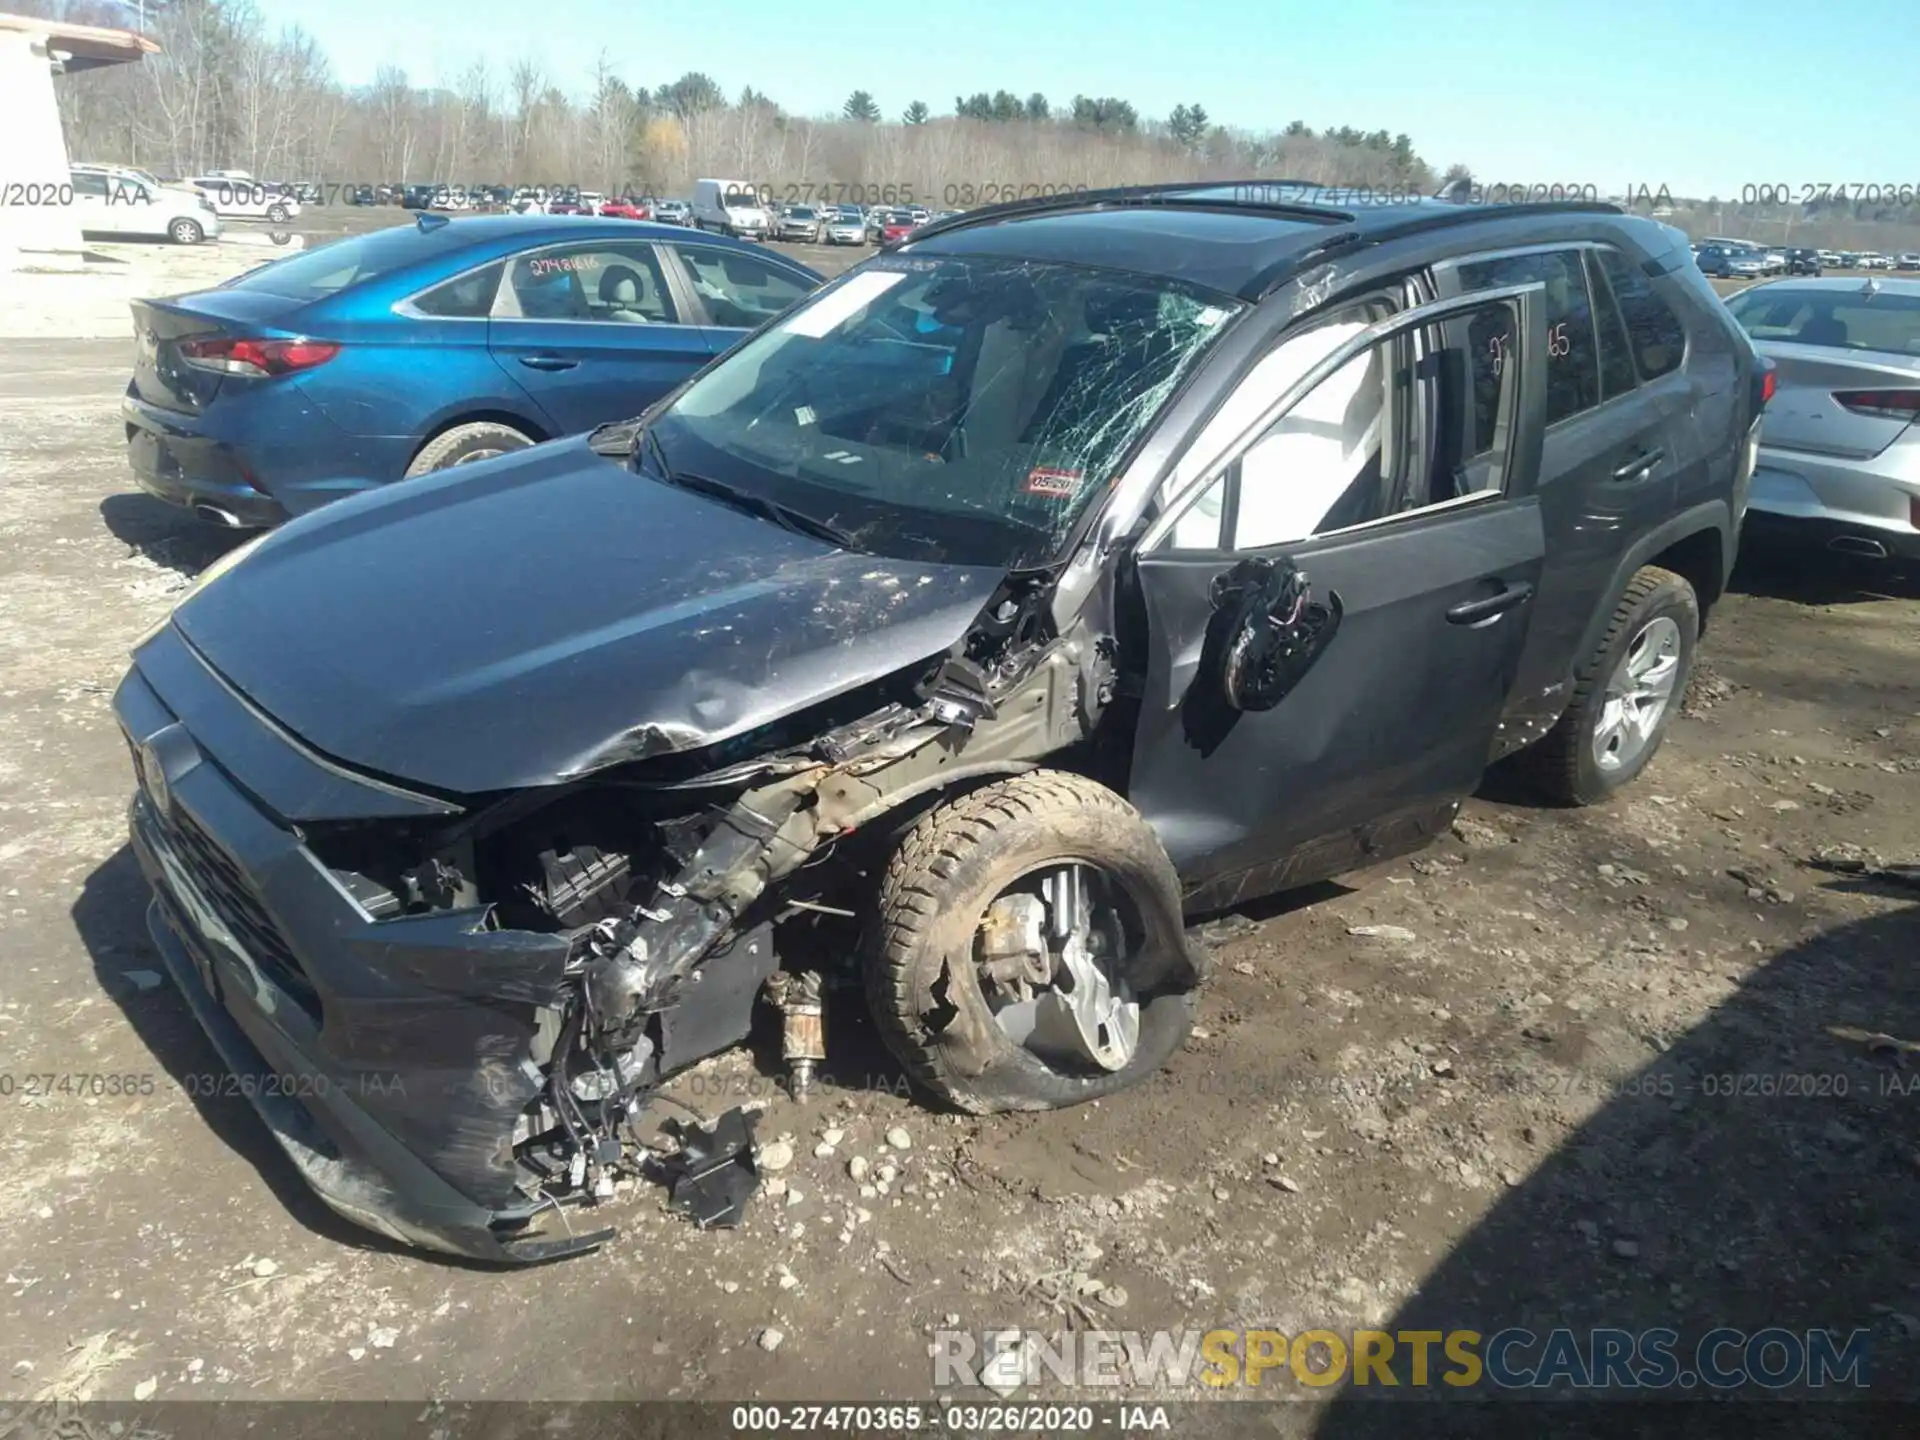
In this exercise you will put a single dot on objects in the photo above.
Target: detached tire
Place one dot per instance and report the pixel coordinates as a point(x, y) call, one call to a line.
point(1659, 610)
point(922, 981)
point(465, 445)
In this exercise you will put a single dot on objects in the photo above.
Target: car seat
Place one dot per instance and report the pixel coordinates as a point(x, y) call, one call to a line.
point(1828, 329)
point(625, 295)
point(554, 296)
point(1318, 468)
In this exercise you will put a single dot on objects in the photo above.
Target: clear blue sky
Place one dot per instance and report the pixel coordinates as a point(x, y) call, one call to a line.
point(1703, 96)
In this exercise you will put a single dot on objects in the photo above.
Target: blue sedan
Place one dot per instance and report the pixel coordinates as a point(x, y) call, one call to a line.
point(426, 345)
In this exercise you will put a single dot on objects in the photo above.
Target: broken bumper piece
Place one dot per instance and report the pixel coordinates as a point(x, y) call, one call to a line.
point(370, 1179)
point(324, 1116)
point(714, 1174)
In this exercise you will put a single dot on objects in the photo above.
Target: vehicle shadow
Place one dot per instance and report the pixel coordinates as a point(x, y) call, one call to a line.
point(167, 535)
point(110, 916)
point(1774, 568)
point(1759, 1173)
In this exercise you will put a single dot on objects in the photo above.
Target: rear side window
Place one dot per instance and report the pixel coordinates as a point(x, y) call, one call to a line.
point(1616, 356)
point(332, 268)
point(1655, 332)
point(1573, 364)
point(468, 298)
point(590, 280)
point(1836, 319)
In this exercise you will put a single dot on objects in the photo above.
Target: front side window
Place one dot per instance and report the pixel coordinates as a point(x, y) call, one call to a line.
point(1573, 363)
point(1369, 442)
point(621, 284)
point(947, 408)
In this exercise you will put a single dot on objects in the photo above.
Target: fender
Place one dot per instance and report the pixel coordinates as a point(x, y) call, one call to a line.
point(1715, 515)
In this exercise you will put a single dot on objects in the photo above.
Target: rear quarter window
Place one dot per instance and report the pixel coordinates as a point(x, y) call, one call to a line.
point(1655, 333)
point(470, 297)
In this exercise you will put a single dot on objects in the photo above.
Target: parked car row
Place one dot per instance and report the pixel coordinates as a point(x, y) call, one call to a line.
point(731, 207)
point(1746, 259)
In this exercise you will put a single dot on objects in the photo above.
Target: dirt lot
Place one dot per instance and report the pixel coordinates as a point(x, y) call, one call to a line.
point(1511, 1113)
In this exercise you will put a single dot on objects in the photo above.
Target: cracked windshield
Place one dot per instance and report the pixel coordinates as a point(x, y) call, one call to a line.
point(961, 409)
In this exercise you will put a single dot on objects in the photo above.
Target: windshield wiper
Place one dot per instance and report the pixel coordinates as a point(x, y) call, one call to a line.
point(784, 516)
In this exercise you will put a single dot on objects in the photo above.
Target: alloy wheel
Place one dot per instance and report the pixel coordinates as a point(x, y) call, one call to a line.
point(1637, 695)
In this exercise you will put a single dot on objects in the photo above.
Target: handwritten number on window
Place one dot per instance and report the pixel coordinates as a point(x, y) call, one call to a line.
point(1559, 346)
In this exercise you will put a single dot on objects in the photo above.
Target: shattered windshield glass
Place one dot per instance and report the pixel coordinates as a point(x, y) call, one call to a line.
point(952, 409)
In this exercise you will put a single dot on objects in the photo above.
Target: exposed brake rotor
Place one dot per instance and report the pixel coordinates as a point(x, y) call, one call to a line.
point(1050, 967)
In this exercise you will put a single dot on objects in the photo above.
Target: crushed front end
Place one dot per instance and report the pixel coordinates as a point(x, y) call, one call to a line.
point(452, 1012)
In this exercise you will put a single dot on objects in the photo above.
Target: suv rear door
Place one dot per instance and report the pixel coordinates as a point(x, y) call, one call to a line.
point(1423, 558)
point(1610, 459)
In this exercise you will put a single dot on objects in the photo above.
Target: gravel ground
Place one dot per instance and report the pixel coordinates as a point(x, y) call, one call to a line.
point(1501, 1109)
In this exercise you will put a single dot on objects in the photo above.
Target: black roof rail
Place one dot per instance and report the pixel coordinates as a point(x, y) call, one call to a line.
point(1439, 216)
point(1175, 193)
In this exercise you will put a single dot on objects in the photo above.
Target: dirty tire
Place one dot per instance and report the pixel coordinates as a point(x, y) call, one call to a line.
point(186, 232)
point(1562, 763)
point(480, 440)
point(950, 866)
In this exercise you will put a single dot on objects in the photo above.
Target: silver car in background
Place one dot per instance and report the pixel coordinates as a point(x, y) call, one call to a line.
point(846, 225)
point(1839, 444)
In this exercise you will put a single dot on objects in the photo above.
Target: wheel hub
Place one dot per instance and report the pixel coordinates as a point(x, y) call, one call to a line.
point(1637, 695)
point(1050, 957)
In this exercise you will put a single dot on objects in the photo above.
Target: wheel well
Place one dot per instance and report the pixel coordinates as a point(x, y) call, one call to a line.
point(1697, 559)
point(525, 426)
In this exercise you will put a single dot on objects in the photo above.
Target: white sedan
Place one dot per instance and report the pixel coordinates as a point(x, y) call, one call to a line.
point(241, 197)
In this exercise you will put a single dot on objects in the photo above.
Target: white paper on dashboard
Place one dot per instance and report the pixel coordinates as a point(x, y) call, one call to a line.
point(840, 306)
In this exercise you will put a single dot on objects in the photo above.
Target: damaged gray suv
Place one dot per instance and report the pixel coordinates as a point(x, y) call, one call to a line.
point(1069, 570)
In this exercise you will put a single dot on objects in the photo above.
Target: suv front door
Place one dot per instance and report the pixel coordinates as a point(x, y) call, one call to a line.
point(1376, 694)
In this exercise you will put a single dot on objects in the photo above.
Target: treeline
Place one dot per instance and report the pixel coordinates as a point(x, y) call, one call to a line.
point(228, 91)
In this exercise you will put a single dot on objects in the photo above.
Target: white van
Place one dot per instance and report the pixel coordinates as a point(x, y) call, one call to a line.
point(731, 207)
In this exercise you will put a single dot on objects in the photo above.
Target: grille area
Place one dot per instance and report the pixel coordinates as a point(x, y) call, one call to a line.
point(227, 890)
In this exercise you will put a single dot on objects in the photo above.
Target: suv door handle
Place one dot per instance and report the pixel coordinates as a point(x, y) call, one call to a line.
point(548, 362)
point(1472, 612)
point(1639, 465)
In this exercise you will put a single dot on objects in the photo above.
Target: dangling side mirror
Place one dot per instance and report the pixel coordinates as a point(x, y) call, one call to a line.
point(1275, 630)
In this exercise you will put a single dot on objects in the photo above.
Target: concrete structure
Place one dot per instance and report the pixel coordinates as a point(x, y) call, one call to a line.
point(36, 229)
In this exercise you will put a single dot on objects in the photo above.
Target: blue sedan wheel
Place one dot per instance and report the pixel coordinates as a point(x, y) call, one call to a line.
point(467, 445)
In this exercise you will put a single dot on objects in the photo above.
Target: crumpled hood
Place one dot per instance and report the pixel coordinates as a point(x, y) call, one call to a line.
point(530, 618)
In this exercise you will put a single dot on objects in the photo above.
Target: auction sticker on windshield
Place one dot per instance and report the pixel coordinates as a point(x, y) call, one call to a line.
point(1055, 484)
